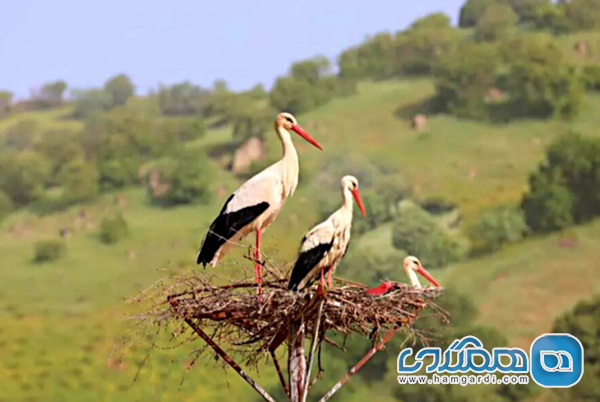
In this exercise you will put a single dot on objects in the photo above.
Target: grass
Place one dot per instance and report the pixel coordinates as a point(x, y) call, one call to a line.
point(61, 321)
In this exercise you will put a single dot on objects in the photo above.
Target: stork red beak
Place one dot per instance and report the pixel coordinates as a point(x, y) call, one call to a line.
point(356, 195)
point(381, 289)
point(298, 130)
point(427, 276)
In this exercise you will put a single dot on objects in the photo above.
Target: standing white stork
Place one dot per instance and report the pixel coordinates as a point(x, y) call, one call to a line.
point(412, 266)
point(256, 204)
point(323, 247)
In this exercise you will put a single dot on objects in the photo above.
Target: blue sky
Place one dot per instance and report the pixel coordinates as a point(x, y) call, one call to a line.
point(166, 41)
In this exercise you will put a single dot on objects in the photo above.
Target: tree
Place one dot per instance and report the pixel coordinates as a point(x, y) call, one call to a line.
point(583, 322)
point(549, 204)
point(6, 98)
point(183, 99)
point(113, 229)
point(499, 226)
point(495, 23)
point(186, 181)
point(471, 11)
point(51, 94)
point(582, 15)
point(540, 81)
point(120, 88)
point(24, 176)
point(565, 189)
point(49, 250)
point(6, 205)
point(417, 233)
point(306, 87)
point(79, 180)
point(419, 48)
point(91, 101)
point(20, 136)
point(551, 17)
point(463, 78)
point(59, 147)
point(527, 10)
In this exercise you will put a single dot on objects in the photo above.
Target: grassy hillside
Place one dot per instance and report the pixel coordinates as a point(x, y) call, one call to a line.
point(61, 324)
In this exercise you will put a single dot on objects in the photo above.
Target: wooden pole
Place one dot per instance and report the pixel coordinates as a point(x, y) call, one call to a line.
point(311, 355)
point(358, 365)
point(224, 355)
point(297, 361)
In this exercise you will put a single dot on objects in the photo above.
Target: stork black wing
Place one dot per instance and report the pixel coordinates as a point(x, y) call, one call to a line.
point(305, 263)
point(225, 227)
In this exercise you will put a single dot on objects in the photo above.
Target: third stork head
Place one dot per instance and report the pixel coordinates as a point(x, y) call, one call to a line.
point(412, 267)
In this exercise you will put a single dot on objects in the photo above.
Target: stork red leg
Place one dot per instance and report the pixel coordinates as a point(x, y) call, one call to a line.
point(329, 278)
point(321, 288)
point(257, 265)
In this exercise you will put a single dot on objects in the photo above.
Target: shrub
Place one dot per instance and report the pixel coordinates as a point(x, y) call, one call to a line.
point(417, 233)
point(91, 101)
point(540, 80)
point(463, 78)
point(24, 176)
point(113, 229)
point(6, 205)
point(49, 250)
point(120, 88)
point(583, 321)
point(498, 226)
point(184, 181)
point(565, 189)
point(118, 172)
point(496, 22)
point(591, 77)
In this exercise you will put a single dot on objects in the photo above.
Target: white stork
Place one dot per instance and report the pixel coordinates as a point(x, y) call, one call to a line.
point(323, 247)
point(412, 266)
point(256, 204)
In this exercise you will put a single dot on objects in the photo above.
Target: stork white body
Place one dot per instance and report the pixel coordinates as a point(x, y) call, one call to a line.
point(324, 246)
point(256, 204)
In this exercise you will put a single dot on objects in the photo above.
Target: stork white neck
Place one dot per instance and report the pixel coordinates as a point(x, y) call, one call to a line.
point(412, 277)
point(347, 205)
point(289, 162)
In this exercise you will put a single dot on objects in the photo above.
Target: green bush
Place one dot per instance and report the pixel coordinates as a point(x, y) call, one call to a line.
point(496, 22)
point(120, 88)
point(582, 15)
point(591, 77)
point(308, 85)
point(113, 229)
point(118, 172)
point(540, 80)
point(90, 102)
point(6, 205)
point(188, 180)
point(49, 250)
point(565, 189)
point(417, 233)
point(583, 321)
point(463, 78)
point(24, 176)
point(498, 226)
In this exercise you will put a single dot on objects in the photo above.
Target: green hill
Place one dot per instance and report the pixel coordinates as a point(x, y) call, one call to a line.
point(61, 323)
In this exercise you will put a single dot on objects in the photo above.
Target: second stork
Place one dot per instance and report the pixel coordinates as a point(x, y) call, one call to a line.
point(323, 247)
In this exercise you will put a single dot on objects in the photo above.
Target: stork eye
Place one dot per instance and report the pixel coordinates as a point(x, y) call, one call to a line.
point(289, 120)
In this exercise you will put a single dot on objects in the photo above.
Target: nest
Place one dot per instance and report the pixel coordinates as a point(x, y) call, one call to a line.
point(232, 313)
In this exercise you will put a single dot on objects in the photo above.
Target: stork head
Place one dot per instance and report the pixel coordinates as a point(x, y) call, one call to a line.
point(288, 122)
point(413, 266)
point(350, 183)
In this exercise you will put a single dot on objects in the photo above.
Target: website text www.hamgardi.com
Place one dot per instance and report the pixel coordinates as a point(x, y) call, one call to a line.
point(463, 379)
